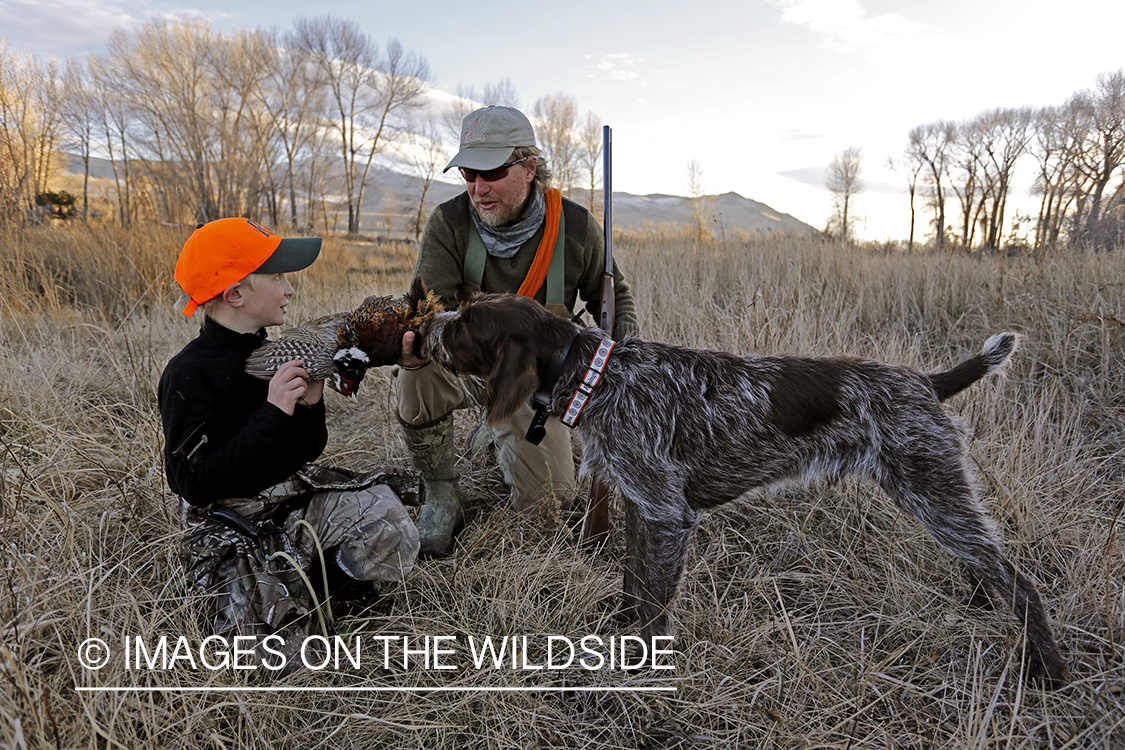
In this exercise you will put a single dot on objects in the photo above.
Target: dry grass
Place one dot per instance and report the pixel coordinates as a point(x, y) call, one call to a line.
point(810, 617)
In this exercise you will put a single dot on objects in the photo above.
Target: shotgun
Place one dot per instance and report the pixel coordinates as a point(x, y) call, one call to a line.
point(595, 530)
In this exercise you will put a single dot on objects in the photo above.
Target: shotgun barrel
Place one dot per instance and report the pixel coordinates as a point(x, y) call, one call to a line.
point(595, 529)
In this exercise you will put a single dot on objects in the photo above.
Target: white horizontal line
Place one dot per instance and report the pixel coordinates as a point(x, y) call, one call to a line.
point(361, 689)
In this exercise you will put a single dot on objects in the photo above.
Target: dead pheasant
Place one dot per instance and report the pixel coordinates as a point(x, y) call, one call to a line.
point(339, 348)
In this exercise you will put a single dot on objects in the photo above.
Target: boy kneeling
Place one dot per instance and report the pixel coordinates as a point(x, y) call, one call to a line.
point(255, 519)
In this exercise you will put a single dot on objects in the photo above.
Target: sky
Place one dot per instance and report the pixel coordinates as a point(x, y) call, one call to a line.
point(762, 94)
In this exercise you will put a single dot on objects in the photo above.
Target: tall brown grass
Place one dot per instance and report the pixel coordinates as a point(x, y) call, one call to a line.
point(809, 617)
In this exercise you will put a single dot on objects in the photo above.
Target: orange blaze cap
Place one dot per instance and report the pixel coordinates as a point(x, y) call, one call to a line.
point(226, 251)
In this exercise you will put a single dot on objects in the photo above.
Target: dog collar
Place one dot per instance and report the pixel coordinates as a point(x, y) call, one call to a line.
point(590, 380)
point(541, 402)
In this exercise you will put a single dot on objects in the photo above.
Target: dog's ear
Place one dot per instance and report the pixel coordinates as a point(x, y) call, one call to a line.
point(465, 291)
point(511, 383)
point(466, 298)
point(416, 294)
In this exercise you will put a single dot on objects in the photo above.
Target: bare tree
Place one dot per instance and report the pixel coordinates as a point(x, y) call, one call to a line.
point(557, 118)
point(966, 163)
point(1103, 153)
point(701, 203)
point(911, 167)
point(426, 155)
point(79, 116)
point(294, 98)
point(114, 118)
point(1059, 135)
point(31, 125)
point(464, 102)
point(590, 143)
point(502, 94)
point(931, 144)
point(368, 94)
point(844, 184)
point(247, 141)
point(1007, 135)
point(347, 58)
point(162, 81)
point(398, 86)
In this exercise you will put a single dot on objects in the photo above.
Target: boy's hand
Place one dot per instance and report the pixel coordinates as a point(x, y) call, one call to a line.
point(289, 384)
point(315, 392)
point(408, 359)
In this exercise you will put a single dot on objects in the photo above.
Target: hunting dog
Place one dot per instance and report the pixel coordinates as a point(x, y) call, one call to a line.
point(680, 430)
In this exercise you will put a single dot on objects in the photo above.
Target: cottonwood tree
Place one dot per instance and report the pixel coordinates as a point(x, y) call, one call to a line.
point(844, 184)
point(1007, 134)
point(909, 166)
point(590, 145)
point(701, 204)
point(426, 156)
point(347, 58)
point(466, 100)
point(113, 120)
point(983, 159)
point(369, 94)
point(294, 101)
point(166, 84)
point(79, 116)
point(965, 180)
point(932, 145)
point(1102, 156)
point(399, 87)
point(1059, 135)
point(245, 175)
point(556, 120)
point(31, 125)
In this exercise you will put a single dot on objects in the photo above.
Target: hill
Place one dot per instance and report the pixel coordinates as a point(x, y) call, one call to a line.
point(630, 212)
point(393, 197)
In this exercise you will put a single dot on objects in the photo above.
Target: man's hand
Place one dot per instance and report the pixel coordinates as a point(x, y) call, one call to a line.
point(289, 384)
point(408, 359)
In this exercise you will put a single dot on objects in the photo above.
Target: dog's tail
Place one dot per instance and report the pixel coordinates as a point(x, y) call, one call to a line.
point(995, 355)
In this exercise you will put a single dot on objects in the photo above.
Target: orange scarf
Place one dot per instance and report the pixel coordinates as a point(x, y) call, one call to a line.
point(542, 262)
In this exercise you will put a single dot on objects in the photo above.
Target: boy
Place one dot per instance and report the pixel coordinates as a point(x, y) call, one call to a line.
point(253, 522)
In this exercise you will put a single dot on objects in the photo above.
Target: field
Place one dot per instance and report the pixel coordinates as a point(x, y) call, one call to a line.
point(813, 617)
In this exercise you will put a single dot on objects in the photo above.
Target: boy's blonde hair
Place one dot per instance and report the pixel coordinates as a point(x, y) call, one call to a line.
point(210, 305)
point(224, 252)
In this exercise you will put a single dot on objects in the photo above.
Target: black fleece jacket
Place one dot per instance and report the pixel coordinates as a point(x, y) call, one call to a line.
point(251, 444)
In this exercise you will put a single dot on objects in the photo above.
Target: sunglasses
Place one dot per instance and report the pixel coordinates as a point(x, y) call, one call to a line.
point(490, 175)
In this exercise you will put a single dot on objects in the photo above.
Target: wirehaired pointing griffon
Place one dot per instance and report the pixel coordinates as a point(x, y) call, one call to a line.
point(680, 430)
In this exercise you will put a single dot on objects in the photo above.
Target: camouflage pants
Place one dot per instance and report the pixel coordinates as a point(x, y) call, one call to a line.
point(259, 584)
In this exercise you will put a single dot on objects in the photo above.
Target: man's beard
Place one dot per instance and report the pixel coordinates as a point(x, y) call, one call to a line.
point(496, 217)
point(502, 214)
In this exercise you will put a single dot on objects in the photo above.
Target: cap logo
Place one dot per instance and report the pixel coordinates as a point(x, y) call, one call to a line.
point(258, 227)
point(475, 133)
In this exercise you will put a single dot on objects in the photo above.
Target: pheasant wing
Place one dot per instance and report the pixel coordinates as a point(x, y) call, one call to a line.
point(315, 342)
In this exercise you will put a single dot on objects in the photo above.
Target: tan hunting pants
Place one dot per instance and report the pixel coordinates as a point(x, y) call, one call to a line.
point(534, 472)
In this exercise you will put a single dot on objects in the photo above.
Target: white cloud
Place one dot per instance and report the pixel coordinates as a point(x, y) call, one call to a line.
point(844, 24)
point(70, 27)
point(61, 27)
point(620, 66)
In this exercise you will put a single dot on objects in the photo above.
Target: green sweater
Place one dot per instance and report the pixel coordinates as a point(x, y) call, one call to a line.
point(441, 262)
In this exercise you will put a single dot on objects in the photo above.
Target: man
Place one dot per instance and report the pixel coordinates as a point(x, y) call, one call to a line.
point(508, 232)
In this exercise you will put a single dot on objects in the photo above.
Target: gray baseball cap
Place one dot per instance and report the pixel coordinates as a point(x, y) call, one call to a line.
point(489, 136)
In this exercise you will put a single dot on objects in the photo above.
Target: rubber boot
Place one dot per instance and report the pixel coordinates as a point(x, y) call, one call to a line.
point(432, 451)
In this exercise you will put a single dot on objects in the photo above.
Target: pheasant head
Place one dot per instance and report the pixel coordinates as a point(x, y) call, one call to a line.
point(376, 327)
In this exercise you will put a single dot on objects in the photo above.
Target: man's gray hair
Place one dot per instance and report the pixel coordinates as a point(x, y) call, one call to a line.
point(543, 174)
